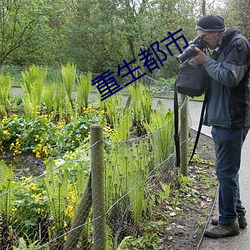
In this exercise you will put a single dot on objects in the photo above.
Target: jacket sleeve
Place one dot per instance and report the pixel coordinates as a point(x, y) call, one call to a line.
point(234, 66)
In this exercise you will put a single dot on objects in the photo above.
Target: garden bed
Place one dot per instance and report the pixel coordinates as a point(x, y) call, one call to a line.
point(178, 222)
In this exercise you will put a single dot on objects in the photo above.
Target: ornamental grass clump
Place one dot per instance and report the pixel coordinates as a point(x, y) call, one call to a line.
point(34, 80)
point(141, 106)
point(83, 91)
point(5, 91)
point(68, 75)
point(160, 131)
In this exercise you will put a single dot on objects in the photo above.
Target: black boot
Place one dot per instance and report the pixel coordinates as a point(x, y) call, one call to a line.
point(241, 219)
point(221, 230)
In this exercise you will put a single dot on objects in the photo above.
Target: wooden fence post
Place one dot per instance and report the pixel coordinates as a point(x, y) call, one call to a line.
point(98, 195)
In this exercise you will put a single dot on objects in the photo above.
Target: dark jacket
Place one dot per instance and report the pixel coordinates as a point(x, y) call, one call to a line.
point(229, 90)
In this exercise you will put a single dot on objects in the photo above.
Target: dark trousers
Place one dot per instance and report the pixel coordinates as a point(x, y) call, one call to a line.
point(228, 145)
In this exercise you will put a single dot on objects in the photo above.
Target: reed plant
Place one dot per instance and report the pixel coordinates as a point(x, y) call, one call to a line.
point(114, 110)
point(62, 106)
point(6, 184)
point(136, 93)
point(126, 172)
point(68, 75)
point(141, 105)
point(34, 80)
point(5, 90)
point(83, 90)
point(65, 181)
point(161, 132)
point(123, 130)
point(136, 178)
point(48, 98)
point(56, 184)
point(146, 105)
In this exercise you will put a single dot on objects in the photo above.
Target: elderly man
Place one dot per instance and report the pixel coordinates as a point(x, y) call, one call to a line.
point(228, 112)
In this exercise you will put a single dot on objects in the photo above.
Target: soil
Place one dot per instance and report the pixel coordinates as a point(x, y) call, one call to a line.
point(188, 221)
point(25, 164)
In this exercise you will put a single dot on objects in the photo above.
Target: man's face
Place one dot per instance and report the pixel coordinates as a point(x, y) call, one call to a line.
point(211, 38)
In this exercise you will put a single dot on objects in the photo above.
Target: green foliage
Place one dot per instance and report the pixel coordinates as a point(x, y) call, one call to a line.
point(122, 131)
point(57, 188)
point(136, 181)
point(161, 121)
point(126, 172)
point(127, 160)
point(48, 98)
point(63, 103)
point(43, 137)
point(24, 30)
point(114, 110)
point(29, 245)
point(163, 87)
point(33, 85)
point(30, 206)
point(83, 91)
point(164, 191)
point(147, 241)
point(141, 104)
point(184, 181)
point(176, 199)
point(22, 134)
point(6, 184)
point(68, 74)
point(98, 35)
point(5, 90)
point(15, 71)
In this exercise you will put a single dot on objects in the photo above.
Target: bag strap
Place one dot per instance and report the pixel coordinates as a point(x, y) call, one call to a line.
point(199, 127)
point(176, 126)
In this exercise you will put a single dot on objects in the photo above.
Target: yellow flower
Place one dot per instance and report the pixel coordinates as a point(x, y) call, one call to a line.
point(73, 199)
point(45, 151)
point(103, 112)
point(31, 187)
point(16, 152)
point(6, 132)
point(37, 196)
point(69, 211)
point(38, 155)
point(14, 209)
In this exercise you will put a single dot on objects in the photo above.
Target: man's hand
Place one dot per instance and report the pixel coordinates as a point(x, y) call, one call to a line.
point(200, 58)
